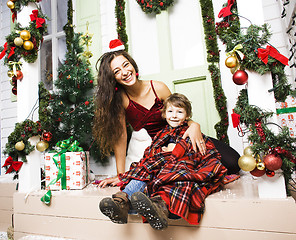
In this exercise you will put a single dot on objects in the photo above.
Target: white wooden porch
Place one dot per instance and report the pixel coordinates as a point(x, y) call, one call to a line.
point(234, 213)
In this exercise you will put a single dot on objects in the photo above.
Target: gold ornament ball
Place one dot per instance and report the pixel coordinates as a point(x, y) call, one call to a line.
point(42, 146)
point(25, 35)
point(231, 62)
point(10, 4)
point(261, 165)
point(28, 45)
point(247, 163)
point(10, 74)
point(248, 151)
point(18, 41)
point(20, 146)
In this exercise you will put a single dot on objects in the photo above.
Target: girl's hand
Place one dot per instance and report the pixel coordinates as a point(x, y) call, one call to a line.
point(195, 135)
point(109, 181)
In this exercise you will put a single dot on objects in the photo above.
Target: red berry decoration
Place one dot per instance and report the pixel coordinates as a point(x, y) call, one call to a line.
point(47, 136)
point(19, 75)
point(14, 90)
point(86, 103)
point(270, 173)
point(240, 77)
point(91, 81)
point(272, 162)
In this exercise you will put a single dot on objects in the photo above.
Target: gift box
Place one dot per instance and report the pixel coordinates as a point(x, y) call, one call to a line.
point(69, 170)
point(286, 114)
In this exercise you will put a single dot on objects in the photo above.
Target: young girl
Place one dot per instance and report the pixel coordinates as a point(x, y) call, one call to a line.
point(177, 178)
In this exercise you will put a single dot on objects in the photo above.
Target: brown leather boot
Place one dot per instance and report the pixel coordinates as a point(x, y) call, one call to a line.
point(116, 208)
point(154, 210)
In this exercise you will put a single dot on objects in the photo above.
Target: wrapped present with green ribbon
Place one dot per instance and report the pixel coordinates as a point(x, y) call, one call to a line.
point(67, 168)
point(286, 114)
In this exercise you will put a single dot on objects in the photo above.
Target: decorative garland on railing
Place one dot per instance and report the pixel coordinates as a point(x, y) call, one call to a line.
point(121, 23)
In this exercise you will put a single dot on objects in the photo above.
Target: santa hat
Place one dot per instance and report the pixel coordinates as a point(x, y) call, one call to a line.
point(116, 45)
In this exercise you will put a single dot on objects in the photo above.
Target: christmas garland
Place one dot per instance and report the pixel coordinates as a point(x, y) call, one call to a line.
point(16, 6)
point(121, 23)
point(154, 6)
point(264, 141)
point(252, 41)
point(213, 60)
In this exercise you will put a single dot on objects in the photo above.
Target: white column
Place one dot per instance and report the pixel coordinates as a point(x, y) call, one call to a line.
point(258, 86)
point(27, 96)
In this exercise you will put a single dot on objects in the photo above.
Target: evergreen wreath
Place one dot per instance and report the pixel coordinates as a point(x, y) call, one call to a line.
point(22, 132)
point(154, 6)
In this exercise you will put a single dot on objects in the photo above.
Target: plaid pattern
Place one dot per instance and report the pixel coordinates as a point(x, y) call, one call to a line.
point(183, 178)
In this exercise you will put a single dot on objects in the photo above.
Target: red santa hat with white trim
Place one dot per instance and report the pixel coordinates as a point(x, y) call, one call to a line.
point(116, 45)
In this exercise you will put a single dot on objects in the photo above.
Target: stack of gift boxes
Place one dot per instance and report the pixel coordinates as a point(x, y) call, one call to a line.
point(286, 114)
point(76, 170)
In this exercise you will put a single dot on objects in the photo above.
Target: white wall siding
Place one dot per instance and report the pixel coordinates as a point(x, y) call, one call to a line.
point(8, 109)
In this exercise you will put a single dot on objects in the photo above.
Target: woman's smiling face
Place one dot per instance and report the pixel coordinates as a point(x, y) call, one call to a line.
point(124, 72)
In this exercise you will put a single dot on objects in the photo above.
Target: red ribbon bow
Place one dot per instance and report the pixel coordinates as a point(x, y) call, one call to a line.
point(39, 21)
point(14, 165)
point(271, 51)
point(224, 12)
point(2, 54)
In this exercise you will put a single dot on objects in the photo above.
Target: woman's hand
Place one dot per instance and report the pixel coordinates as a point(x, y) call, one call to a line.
point(109, 181)
point(195, 135)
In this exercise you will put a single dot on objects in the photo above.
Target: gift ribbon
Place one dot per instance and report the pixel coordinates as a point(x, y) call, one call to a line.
point(2, 54)
point(14, 64)
point(236, 49)
point(67, 145)
point(39, 21)
point(13, 165)
point(224, 12)
point(271, 51)
point(286, 110)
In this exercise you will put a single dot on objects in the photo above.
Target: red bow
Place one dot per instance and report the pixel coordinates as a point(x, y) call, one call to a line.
point(14, 165)
point(2, 54)
point(224, 12)
point(14, 15)
point(39, 21)
point(235, 119)
point(271, 51)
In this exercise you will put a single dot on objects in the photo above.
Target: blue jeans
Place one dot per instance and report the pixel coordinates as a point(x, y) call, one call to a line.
point(132, 187)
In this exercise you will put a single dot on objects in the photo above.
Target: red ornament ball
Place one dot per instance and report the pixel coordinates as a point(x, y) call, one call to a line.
point(240, 77)
point(270, 173)
point(91, 81)
point(19, 75)
point(47, 136)
point(86, 103)
point(272, 162)
point(161, 4)
point(258, 173)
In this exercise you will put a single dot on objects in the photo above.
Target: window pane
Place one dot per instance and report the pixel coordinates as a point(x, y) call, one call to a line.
point(46, 64)
point(46, 9)
point(61, 15)
point(187, 34)
point(61, 50)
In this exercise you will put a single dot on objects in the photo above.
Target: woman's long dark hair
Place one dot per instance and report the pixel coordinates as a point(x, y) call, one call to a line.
point(108, 102)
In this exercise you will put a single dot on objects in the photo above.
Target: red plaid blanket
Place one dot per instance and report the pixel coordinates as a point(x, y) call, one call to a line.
point(183, 178)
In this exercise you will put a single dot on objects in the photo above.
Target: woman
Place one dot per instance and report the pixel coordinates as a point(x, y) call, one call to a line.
point(122, 97)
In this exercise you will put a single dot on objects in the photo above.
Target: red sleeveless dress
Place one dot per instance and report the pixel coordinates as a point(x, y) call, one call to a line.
point(141, 117)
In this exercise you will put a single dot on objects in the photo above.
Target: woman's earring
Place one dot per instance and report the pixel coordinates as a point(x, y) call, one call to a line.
point(137, 74)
